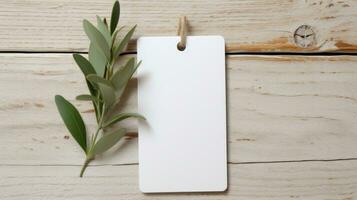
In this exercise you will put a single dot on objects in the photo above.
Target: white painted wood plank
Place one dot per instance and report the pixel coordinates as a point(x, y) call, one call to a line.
point(247, 25)
point(279, 108)
point(274, 181)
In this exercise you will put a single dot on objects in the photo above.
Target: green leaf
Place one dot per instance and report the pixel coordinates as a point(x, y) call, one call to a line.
point(96, 38)
point(108, 95)
point(86, 68)
point(123, 75)
point(108, 141)
point(121, 117)
point(104, 31)
point(114, 36)
point(105, 87)
point(97, 79)
point(97, 59)
point(86, 97)
point(115, 17)
point(73, 121)
point(119, 49)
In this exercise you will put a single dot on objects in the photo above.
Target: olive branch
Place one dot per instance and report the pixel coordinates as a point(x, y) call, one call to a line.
point(105, 84)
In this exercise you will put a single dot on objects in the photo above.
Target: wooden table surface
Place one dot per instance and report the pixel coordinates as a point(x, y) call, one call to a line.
point(292, 97)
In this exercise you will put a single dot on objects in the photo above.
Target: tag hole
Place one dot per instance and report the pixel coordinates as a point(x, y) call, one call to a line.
point(180, 48)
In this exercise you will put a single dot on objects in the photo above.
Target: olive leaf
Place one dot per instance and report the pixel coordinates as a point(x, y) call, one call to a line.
point(73, 121)
point(108, 95)
point(96, 38)
point(105, 87)
point(115, 17)
point(119, 49)
point(121, 117)
point(97, 59)
point(108, 141)
point(86, 68)
point(104, 30)
point(123, 75)
point(86, 97)
point(97, 79)
point(114, 36)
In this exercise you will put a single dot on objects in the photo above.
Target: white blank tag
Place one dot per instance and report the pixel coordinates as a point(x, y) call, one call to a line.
point(182, 94)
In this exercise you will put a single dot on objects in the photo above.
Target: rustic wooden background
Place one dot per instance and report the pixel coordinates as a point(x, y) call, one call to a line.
point(292, 97)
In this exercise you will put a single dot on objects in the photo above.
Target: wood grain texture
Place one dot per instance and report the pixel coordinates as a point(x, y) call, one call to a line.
point(274, 181)
point(280, 108)
point(247, 25)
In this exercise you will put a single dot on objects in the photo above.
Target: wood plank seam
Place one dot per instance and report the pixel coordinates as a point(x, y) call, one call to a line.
point(230, 163)
point(262, 53)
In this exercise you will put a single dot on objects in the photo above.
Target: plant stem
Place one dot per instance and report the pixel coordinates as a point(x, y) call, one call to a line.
point(85, 165)
point(90, 155)
point(100, 123)
point(95, 138)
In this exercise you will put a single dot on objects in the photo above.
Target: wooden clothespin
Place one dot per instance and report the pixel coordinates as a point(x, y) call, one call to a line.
point(182, 31)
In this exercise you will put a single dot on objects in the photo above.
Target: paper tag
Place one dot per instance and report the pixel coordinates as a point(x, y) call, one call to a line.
point(182, 94)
